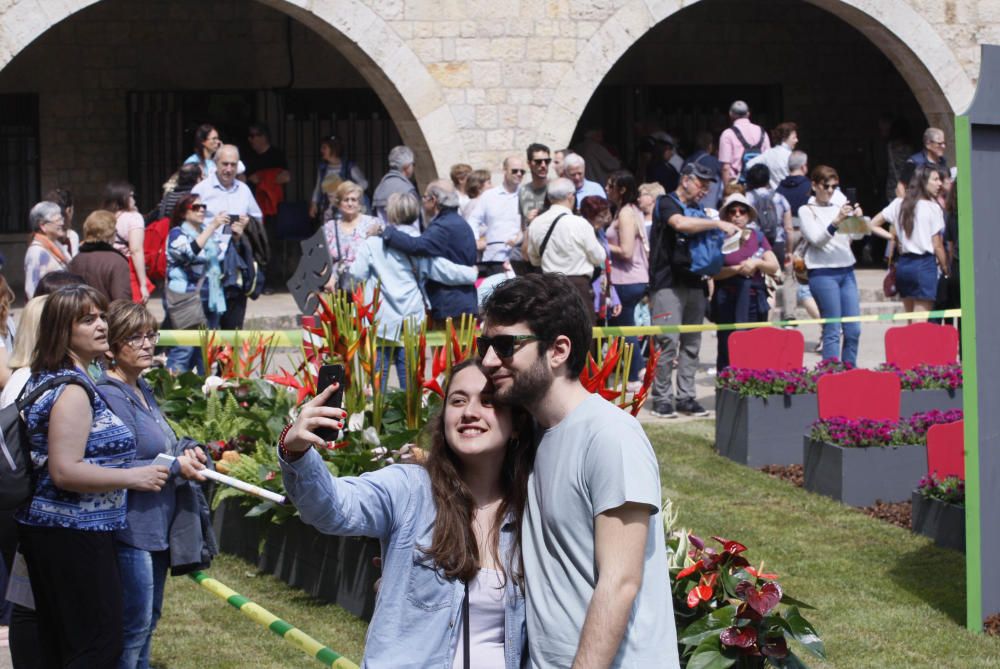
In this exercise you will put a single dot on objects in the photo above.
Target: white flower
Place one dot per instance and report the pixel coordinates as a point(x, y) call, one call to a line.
point(356, 422)
point(212, 383)
point(370, 437)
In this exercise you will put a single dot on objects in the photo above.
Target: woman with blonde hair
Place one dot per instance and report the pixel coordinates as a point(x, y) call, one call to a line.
point(100, 265)
point(648, 192)
point(346, 233)
point(7, 330)
point(19, 362)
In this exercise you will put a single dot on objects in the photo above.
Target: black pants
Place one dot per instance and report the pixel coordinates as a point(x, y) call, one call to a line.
point(78, 596)
point(236, 311)
point(735, 300)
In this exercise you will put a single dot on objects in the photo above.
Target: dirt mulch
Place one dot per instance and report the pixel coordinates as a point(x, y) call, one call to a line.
point(790, 473)
point(896, 514)
point(992, 625)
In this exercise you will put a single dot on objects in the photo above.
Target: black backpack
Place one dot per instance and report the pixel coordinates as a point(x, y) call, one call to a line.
point(17, 480)
point(767, 214)
point(750, 151)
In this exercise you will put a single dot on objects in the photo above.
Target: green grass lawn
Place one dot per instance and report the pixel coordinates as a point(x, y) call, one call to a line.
point(884, 598)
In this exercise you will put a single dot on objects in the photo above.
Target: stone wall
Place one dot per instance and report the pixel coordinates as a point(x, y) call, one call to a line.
point(469, 80)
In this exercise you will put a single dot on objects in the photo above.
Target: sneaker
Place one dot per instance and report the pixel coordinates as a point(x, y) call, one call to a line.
point(692, 408)
point(667, 411)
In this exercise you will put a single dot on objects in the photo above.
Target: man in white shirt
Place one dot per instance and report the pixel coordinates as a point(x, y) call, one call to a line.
point(223, 193)
point(776, 158)
point(575, 168)
point(499, 216)
point(562, 243)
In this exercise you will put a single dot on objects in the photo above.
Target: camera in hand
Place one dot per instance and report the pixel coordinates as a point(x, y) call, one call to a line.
point(328, 375)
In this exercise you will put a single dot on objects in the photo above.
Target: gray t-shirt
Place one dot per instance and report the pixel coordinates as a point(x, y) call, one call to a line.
point(597, 459)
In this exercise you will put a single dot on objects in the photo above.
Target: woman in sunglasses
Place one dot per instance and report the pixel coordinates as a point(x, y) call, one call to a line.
point(740, 294)
point(142, 547)
point(452, 591)
point(194, 265)
point(829, 223)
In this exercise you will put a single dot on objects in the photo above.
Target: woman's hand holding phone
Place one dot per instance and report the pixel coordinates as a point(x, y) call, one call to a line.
point(315, 415)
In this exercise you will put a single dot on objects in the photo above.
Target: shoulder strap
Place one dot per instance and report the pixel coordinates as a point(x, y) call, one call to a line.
point(545, 242)
point(739, 136)
point(43, 387)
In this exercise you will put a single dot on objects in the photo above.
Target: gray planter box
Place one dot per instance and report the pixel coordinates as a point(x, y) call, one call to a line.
point(915, 401)
point(940, 521)
point(758, 431)
point(860, 476)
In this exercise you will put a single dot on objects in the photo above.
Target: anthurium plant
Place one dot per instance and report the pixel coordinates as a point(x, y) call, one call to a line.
point(730, 613)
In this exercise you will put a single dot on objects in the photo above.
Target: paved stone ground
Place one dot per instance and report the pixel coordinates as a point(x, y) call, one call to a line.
point(278, 310)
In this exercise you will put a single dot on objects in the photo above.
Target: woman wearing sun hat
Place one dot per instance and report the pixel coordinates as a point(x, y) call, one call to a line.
point(740, 294)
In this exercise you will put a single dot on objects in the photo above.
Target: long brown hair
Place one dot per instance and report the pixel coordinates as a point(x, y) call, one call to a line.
point(62, 310)
point(453, 546)
point(916, 190)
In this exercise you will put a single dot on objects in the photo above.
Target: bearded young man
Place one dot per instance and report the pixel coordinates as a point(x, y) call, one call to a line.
point(597, 584)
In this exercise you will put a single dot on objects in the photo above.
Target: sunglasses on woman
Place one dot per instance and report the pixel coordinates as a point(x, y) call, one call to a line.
point(503, 345)
point(198, 207)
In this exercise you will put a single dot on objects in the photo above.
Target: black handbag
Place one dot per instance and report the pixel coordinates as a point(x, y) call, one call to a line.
point(17, 481)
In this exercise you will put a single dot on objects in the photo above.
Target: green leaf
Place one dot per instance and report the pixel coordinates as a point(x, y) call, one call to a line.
point(709, 655)
point(260, 509)
point(707, 626)
point(334, 470)
point(803, 632)
point(790, 661)
point(791, 601)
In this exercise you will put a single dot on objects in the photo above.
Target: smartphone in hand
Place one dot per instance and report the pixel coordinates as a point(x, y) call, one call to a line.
point(328, 375)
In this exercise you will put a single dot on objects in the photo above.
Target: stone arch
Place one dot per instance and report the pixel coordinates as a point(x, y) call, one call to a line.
point(938, 81)
point(409, 91)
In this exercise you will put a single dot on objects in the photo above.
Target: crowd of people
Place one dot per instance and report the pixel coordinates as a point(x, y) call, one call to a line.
point(516, 525)
point(578, 212)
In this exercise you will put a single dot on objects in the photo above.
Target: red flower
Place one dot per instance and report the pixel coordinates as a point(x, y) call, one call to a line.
point(740, 637)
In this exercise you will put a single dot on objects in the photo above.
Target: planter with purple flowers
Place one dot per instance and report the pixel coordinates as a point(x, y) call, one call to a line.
point(939, 511)
point(760, 415)
point(928, 387)
point(860, 461)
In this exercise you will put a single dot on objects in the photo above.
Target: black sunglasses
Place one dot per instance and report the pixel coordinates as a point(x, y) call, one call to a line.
point(503, 345)
point(541, 161)
point(517, 171)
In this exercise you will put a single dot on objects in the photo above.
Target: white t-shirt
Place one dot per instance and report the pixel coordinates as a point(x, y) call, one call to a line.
point(486, 630)
point(595, 460)
point(15, 384)
point(928, 220)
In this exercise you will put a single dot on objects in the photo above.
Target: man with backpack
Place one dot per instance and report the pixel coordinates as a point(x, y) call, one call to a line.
point(678, 292)
point(740, 143)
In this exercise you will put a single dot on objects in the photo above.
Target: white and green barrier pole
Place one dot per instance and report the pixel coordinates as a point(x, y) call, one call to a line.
point(265, 618)
point(293, 338)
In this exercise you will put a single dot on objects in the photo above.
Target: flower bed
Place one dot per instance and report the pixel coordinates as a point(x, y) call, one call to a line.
point(860, 461)
point(770, 382)
point(760, 414)
point(939, 511)
point(928, 387)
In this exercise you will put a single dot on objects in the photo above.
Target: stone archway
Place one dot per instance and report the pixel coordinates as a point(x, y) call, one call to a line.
point(410, 93)
point(939, 83)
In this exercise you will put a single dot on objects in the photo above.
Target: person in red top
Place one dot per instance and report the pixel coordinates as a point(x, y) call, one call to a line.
point(740, 294)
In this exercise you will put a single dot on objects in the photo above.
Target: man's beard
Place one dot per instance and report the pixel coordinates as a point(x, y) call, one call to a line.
point(527, 388)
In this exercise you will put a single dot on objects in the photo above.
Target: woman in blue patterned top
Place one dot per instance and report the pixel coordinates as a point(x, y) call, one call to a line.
point(67, 530)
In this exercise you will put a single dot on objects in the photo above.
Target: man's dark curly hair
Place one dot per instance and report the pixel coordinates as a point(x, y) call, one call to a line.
point(550, 306)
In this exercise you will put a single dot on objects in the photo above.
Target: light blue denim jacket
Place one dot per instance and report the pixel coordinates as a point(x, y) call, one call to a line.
point(418, 611)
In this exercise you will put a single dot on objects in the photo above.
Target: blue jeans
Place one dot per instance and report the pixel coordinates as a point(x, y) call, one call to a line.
point(143, 574)
point(836, 294)
point(184, 358)
point(388, 354)
point(630, 294)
